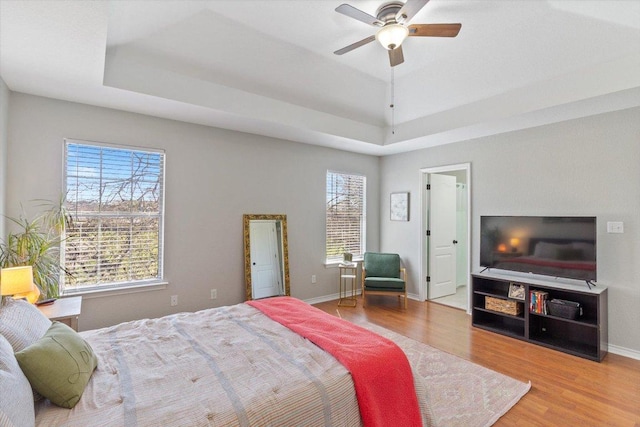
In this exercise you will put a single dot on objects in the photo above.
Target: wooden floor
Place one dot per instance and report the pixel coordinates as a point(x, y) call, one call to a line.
point(566, 390)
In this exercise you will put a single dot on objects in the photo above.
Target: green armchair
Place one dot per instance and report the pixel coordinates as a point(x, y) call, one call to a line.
point(383, 275)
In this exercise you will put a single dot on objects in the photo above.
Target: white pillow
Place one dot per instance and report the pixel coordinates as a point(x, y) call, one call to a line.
point(16, 404)
point(21, 323)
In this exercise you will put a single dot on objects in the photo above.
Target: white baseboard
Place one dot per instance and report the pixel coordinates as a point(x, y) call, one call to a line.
point(326, 298)
point(626, 352)
point(335, 296)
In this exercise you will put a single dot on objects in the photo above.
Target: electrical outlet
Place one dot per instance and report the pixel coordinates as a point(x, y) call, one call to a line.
point(615, 227)
point(313, 279)
point(214, 293)
point(174, 300)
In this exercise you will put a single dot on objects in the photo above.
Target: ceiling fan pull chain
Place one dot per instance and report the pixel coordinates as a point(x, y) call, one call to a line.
point(392, 105)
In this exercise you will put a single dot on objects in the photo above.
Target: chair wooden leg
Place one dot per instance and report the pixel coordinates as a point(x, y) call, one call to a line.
point(405, 299)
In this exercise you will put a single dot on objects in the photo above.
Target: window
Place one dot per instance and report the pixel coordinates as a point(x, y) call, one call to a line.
point(116, 198)
point(346, 218)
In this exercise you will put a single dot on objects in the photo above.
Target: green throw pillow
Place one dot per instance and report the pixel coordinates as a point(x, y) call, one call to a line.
point(59, 365)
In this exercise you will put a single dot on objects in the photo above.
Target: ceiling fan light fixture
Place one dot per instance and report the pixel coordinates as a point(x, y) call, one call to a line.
point(391, 36)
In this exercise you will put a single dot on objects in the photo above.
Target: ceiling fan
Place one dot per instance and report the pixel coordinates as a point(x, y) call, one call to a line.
point(392, 18)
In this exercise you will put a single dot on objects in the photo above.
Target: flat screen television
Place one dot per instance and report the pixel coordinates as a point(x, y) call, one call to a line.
point(558, 246)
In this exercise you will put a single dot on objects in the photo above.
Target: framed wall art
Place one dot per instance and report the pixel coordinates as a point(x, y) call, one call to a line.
point(399, 206)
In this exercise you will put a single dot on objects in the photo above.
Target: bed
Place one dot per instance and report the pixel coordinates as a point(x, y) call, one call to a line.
point(223, 366)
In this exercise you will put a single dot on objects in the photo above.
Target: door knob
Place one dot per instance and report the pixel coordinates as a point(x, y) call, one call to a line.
point(455, 242)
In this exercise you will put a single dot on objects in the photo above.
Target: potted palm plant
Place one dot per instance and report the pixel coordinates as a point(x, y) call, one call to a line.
point(36, 242)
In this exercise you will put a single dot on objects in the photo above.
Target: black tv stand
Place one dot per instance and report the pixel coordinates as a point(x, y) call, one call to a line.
point(493, 310)
point(590, 283)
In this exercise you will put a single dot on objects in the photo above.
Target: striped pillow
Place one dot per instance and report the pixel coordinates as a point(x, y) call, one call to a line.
point(21, 323)
point(16, 404)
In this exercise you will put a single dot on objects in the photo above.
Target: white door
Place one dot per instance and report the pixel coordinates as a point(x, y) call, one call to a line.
point(265, 260)
point(442, 240)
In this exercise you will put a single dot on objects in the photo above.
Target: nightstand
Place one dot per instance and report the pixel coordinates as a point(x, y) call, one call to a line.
point(64, 310)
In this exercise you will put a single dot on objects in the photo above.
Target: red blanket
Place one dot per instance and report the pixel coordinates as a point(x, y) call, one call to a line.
point(381, 372)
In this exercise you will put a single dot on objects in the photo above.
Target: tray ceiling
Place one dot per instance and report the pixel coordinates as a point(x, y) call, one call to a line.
point(267, 67)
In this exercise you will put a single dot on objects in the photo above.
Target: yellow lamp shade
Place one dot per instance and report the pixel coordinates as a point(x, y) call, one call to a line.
point(18, 282)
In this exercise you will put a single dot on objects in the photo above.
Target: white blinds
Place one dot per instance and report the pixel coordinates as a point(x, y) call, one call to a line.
point(345, 215)
point(115, 196)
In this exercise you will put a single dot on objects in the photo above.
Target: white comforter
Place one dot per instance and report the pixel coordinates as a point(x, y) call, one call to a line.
point(225, 366)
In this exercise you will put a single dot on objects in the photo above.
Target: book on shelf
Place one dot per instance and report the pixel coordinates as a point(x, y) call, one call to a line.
point(538, 301)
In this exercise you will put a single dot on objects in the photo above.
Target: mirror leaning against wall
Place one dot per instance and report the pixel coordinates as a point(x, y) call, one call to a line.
point(266, 256)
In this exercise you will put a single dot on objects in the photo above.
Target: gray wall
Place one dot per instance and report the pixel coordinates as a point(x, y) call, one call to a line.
point(4, 122)
point(588, 166)
point(213, 176)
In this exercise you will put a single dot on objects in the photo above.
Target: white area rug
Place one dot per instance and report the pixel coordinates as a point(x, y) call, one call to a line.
point(460, 392)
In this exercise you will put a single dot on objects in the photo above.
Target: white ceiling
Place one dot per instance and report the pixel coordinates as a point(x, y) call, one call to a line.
point(267, 67)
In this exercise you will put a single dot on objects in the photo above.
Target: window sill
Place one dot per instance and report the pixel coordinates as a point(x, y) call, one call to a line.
point(119, 290)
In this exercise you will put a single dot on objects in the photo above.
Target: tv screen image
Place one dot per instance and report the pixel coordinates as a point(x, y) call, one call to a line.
point(558, 246)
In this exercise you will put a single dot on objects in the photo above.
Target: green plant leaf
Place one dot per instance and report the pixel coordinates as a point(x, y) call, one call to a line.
point(37, 243)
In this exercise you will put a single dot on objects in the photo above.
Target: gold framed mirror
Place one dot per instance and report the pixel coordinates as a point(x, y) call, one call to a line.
point(266, 256)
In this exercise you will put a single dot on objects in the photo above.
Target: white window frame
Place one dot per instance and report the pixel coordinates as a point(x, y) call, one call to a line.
point(357, 256)
point(120, 286)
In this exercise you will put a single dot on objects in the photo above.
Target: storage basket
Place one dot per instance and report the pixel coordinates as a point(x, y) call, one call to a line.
point(565, 309)
point(511, 307)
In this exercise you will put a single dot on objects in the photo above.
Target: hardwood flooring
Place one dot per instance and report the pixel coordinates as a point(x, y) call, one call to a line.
point(566, 390)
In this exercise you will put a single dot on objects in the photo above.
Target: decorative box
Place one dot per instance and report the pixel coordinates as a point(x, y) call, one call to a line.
point(511, 307)
point(565, 309)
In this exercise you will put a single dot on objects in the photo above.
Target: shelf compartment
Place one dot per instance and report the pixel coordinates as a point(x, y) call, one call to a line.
point(563, 334)
point(492, 287)
point(588, 302)
point(499, 322)
point(584, 321)
point(580, 349)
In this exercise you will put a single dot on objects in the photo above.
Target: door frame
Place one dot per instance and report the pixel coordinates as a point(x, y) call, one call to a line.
point(424, 263)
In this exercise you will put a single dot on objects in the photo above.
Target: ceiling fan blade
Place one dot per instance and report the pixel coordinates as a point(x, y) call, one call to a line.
point(409, 10)
point(359, 15)
point(434, 30)
point(396, 57)
point(355, 45)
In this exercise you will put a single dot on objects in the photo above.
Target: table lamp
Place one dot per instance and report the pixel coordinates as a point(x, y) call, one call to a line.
point(18, 283)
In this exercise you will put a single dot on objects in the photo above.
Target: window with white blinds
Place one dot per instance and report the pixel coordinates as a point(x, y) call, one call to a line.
point(115, 196)
point(346, 218)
